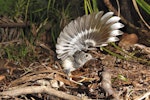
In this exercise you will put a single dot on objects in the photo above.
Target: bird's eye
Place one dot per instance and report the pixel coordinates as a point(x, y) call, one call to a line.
point(86, 55)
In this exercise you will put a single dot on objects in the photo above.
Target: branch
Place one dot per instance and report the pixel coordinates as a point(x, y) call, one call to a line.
point(39, 89)
point(14, 25)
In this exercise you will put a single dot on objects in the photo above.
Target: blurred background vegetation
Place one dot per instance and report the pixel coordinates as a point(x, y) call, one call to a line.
point(26, 24)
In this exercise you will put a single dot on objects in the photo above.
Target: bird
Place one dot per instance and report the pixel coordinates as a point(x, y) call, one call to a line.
point(86, 33)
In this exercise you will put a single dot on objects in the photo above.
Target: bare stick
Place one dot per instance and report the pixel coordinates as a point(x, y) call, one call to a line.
point(14, 25)
point(143, 96)
point(39, 89)
point(107, 85)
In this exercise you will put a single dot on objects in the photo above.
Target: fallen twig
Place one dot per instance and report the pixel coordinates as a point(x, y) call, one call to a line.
point(39, 89)
point(107, 85)
point(14, 25)
point(143, 96)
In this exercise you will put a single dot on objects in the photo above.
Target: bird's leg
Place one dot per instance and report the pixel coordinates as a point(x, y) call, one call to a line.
point(70, 78)
point(86, 79)
point(83, 79)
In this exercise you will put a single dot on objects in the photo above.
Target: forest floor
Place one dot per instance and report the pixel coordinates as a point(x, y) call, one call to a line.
point(121, 74)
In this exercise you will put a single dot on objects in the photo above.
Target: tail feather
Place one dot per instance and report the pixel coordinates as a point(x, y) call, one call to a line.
point(89, 30)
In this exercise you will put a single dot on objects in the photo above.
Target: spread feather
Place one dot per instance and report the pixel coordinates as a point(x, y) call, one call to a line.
point(92, 30)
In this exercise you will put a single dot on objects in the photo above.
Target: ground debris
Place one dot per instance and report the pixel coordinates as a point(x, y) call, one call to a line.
point(129, 79)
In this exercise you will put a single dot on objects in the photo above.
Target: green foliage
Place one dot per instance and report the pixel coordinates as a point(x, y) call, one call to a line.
point(144, 5)
point(127, 56)
point(19, 8)
point(17, 53)
point(56, 13)
point(112, 53)
point(120, 77)
point(123, 78)
point(90, 6)
point(6, 7)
